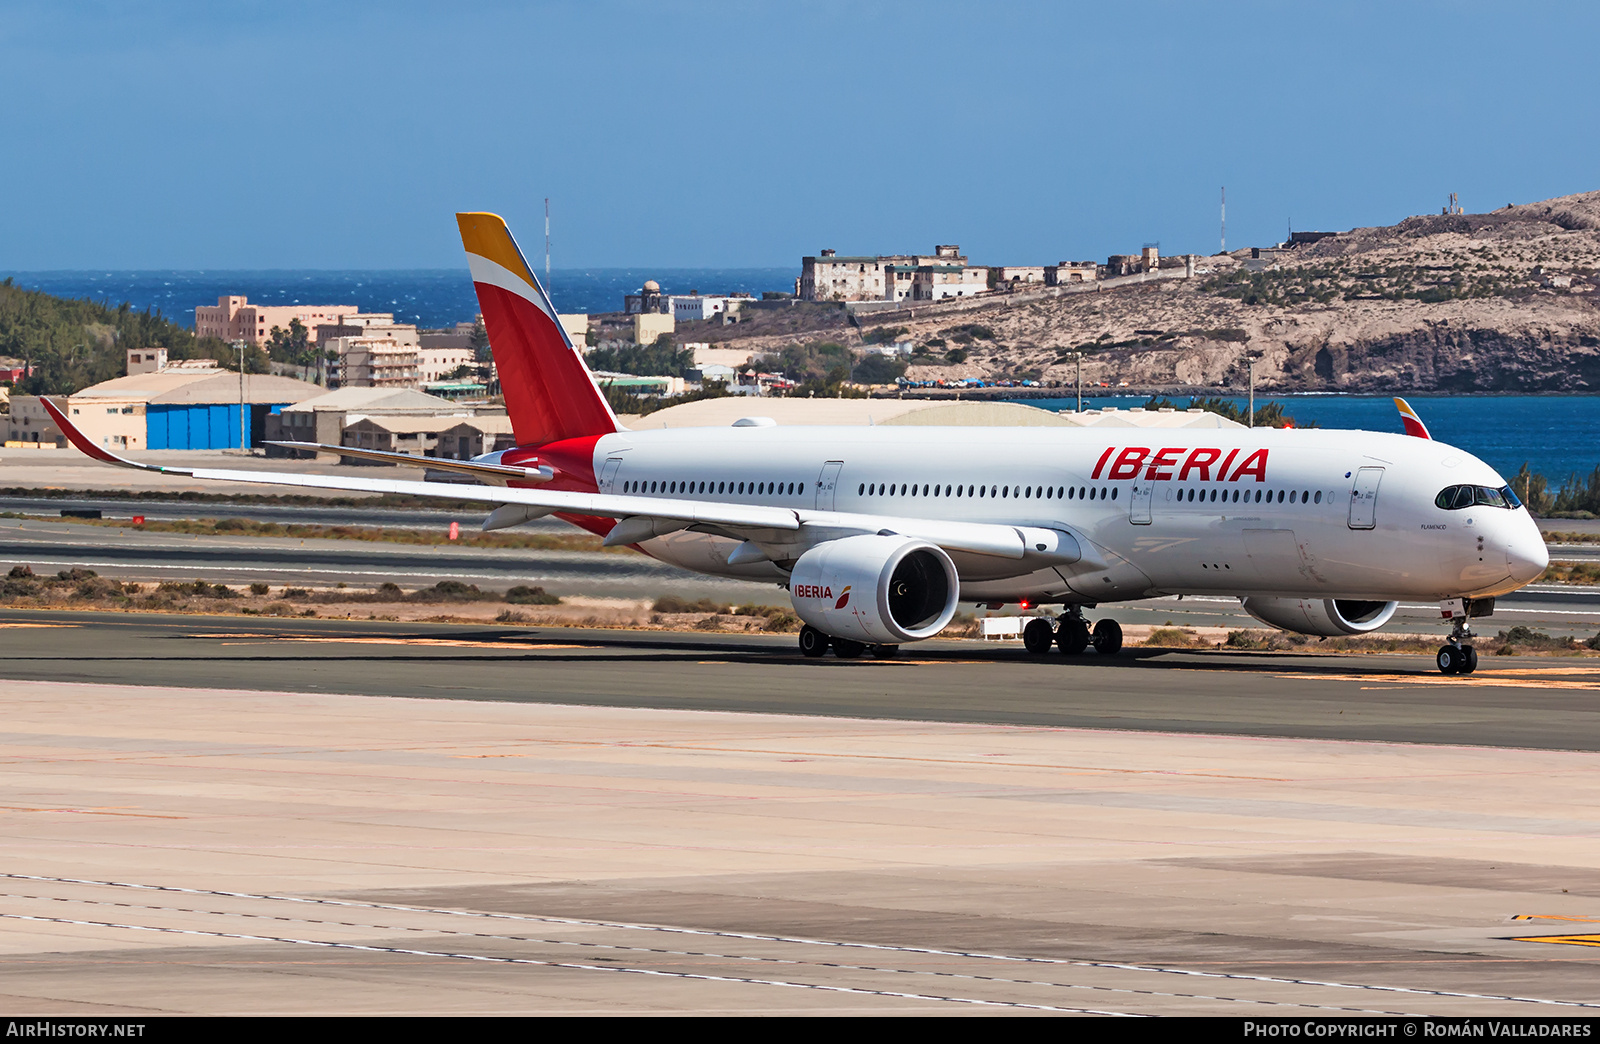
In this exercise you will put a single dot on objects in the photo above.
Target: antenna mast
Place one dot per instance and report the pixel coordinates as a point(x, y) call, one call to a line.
point(547, 238)
point(1224, 219)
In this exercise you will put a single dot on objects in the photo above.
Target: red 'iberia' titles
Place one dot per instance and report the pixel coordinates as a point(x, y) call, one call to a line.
point(1170, 465)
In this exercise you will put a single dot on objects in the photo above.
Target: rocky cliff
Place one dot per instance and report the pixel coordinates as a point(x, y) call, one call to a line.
point(1504, 301)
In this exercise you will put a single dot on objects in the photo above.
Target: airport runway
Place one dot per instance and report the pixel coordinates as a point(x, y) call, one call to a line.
point(261, 816)
point(304, 514)
point(129, 554)
point(1514, 701)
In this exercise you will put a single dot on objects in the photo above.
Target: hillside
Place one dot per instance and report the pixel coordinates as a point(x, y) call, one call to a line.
point(71, 344)
point(1438, 303)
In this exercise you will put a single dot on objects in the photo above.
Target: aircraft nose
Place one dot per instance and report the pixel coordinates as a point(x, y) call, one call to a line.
point(1527, 555)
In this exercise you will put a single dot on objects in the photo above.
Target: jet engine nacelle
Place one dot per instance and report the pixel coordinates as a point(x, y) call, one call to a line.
point(1327, 617)
point(881, 590)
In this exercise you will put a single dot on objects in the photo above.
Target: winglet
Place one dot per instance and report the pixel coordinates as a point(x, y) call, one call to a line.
point(1409, 418)
point(87, 446)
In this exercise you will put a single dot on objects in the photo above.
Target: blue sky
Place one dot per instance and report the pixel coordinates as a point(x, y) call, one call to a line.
point(335, 135)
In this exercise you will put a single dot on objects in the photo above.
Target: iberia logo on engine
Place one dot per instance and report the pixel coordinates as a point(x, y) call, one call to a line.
point(823, 591)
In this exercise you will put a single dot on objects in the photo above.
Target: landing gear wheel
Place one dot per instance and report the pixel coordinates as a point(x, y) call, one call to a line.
point(813, 642)
point(845, 649)
point(1107, 638)
point(1469, 660)
point(1072, 636)
point(1450, 659)
point(885, 652)
point(1038, 636)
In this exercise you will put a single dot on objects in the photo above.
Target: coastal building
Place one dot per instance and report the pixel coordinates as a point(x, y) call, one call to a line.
point(647, 301)
point(457, 336)
point(831, 277)
point(369, 324)
point(649, 326)
point(712, 306)
point(375, 362)
point(1071, 272)
point(576, 324)
point(1019, 275)
point(897, 280)
point(234, 318)
point(684, 308)
point(436, 364)
point(941, 282)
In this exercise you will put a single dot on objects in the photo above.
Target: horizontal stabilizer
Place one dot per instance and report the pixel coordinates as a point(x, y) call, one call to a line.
point(480, 469)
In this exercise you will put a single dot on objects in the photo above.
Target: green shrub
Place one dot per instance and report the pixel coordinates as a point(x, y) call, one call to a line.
point(524, 595)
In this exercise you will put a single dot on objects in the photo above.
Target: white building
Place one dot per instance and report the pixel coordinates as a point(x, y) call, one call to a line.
point(435, 364)
point(940, 282)
point(1020, 274)
point(1072, 272)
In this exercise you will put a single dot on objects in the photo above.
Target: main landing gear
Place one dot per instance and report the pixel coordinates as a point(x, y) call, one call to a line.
point(1072, 635)
point(1455, 656)
point(814, 643)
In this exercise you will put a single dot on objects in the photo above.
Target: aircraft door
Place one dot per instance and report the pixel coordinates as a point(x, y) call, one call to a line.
point(827, 484)
point(1139, 504)
point(1364, 498)
point(608, 474)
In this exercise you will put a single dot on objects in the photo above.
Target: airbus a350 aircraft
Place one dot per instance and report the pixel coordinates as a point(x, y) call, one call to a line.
point(878, 533)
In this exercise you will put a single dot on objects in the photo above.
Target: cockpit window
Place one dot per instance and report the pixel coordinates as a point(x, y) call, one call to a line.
point(1490, 497)
point(1454, 498)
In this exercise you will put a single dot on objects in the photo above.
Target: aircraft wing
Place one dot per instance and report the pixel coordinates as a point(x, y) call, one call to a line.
point(640, 517)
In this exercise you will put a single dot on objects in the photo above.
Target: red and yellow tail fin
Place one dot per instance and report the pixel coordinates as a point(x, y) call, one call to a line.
point(1409, 418)
point(549, 392)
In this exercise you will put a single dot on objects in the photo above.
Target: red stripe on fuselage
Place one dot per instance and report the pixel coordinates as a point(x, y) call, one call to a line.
point(573, 460)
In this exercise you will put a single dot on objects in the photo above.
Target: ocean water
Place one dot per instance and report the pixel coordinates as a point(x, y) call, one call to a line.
point(431, 298)
point(1556, 435)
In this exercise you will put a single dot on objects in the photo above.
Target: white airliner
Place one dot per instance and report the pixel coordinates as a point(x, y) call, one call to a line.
point(879, 533)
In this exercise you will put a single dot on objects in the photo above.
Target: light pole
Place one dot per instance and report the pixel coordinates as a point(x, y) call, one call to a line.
point(1250, 417)
point(244, 416)
point(1078, 356)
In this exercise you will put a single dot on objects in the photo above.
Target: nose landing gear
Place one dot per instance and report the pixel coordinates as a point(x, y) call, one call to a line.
point(1456, 656)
